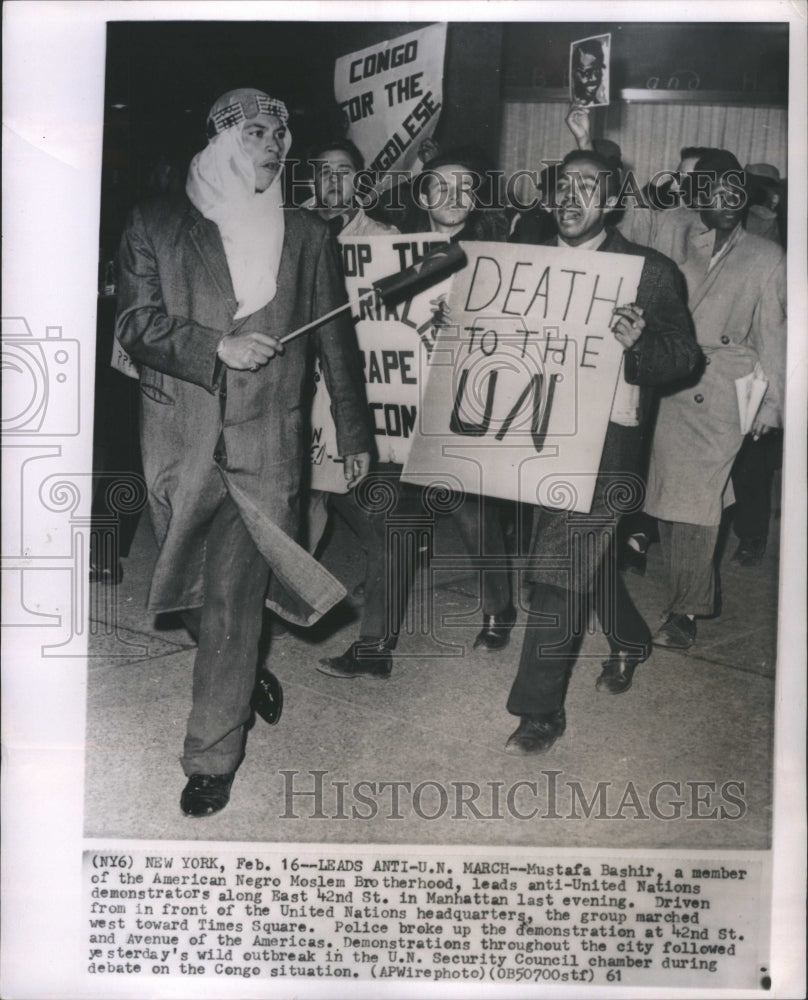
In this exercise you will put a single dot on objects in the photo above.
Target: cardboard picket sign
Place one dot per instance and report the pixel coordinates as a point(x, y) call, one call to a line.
point(391, 95)
point(520, 389)
point(394, 340)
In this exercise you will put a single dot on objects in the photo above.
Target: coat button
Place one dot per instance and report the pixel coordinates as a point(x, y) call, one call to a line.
point(706, 361)
point(699, 398)
point(725, 339)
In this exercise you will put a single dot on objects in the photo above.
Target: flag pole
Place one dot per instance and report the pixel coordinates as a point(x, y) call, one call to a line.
point(315, 322)
point(395, 288)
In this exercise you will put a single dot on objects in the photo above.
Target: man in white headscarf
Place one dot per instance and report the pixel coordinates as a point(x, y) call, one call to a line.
point(210, 282)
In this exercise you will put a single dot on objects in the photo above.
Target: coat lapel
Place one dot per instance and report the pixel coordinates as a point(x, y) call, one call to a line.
point(700, 247)
point(287, 270)
point(614, 242)
point(205, 236)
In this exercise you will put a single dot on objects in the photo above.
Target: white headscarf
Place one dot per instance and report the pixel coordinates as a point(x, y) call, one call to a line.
point(221, 184)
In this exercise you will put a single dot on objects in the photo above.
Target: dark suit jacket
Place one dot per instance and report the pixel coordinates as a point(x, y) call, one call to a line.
point(665, 352)
point(205, 429)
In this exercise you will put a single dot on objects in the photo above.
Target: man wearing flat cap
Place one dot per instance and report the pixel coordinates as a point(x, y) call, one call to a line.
point(210, 282)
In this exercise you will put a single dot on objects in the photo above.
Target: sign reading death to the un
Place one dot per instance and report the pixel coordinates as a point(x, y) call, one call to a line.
point(521, 385)
point(391, 94)
point(394, 345)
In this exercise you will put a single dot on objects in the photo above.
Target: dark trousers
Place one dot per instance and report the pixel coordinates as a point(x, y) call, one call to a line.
point(555, 628)
point(391, 562)
point(689, 554)
point(752, 476)
point(480, 524)
point(229, 629)
point(385, 594)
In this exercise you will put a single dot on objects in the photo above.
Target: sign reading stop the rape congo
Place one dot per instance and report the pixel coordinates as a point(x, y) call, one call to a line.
point(520, 387)
point(394, 345)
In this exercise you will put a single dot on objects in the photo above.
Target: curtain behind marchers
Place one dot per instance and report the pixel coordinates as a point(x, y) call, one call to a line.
point(649, 135)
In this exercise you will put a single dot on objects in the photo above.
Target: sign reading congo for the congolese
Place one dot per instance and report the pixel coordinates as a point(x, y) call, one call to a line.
point(394, 345)
point(521, 386)
point(391, 95)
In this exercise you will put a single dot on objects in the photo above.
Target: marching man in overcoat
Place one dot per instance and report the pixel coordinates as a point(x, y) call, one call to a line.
point(737, 295)
point(209, 284)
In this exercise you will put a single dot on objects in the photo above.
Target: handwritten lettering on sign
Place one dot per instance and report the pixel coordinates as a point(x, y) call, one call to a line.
point(394, 344)
point(391, 94)
point(520, 388)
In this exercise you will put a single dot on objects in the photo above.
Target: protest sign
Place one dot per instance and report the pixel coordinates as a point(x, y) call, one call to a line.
point(520, 388)
point(394, 343)
point(391, 95)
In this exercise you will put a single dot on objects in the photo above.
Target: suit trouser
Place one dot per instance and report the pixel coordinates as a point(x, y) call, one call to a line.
point(752, 476)
point(689, 554)
point(229, 628)
point(479, 522)
point(388, 577)
point(555, 628)
point(562, 599)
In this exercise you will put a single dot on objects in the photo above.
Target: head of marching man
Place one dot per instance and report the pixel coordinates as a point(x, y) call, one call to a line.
point(335, 165)
point(251, 126)
point(235, 182)
point(720, 191)
point(446, 190)
point(583, 192)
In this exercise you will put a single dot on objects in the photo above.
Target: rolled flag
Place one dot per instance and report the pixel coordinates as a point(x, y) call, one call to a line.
point(436, 266)
point(395, 288)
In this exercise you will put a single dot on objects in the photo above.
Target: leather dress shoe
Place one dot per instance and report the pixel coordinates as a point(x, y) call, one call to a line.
point(750, 552)
point(206, 794)
point(364, 658)
point(496, 630)
point(267, 697)
point(632, 560)
point(618, 672)
point(536, 733)
point(678, 632)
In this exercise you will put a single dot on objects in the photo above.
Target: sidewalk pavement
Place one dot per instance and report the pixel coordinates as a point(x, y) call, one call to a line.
point(705, 716)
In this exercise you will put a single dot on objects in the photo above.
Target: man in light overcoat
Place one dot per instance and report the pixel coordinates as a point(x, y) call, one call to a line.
point(736, 285)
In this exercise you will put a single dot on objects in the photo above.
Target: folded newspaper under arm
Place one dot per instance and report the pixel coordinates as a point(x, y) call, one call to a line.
point(750, 389)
